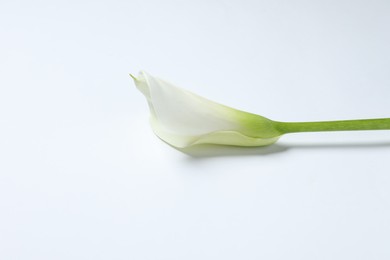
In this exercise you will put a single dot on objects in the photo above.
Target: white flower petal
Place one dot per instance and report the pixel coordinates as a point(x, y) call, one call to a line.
point(182, 118)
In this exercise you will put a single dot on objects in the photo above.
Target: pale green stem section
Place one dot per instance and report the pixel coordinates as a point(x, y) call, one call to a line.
point(342, 125)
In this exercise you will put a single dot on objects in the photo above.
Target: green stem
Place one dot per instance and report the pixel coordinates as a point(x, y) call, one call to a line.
point(343, 125)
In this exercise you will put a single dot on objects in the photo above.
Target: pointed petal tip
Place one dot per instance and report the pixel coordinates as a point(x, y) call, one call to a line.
point(133, 77)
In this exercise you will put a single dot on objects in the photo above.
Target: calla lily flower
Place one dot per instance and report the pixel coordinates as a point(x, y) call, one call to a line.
point(182, 118)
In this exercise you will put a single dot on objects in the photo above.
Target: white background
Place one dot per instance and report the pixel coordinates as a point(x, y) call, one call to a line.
point(82, 176)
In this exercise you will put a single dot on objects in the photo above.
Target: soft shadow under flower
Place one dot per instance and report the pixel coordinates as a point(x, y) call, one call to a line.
point(210, 151)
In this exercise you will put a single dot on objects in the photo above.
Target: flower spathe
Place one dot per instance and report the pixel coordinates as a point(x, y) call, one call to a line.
point(182, 118)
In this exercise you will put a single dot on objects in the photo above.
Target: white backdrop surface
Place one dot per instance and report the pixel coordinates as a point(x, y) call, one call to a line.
point(82, 176)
